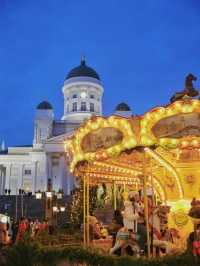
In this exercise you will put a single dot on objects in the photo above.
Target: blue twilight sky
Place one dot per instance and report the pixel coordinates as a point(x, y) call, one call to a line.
point(142, 50)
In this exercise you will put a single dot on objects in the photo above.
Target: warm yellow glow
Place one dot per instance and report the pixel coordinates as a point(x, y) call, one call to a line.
point(156, 114)
point(62, 209)
point(184, 143)
point(129, 141)
point(167, 166)
point(177, 184)
point(158, 187)
point(55, 209)
point(74, 144)
point(195, 143)
point(38, 195)
point(49, 194)
point(179, 205)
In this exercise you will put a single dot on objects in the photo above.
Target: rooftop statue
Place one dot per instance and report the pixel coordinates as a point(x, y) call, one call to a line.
point(189, 90)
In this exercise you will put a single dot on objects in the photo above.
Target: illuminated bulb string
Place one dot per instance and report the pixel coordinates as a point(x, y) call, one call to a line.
point(168, 166)
point(159, 189)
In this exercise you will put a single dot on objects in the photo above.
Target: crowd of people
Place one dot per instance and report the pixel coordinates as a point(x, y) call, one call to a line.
point(12, 232)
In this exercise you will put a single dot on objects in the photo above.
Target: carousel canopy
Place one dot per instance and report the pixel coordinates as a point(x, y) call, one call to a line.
point(112, 149)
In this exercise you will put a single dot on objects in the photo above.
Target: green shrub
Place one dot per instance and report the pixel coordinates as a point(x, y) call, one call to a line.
point(22, 255)
point(28, 253)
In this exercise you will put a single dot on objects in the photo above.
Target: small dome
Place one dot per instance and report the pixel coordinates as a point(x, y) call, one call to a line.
point(44, 106)
point(83, 71)
point(123, 107)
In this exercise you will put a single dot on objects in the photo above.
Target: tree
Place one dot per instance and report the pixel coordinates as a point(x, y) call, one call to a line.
point(75, 209)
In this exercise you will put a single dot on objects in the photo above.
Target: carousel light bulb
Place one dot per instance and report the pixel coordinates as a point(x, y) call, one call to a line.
point(148, 116)
point(162, 141)
point(161, 110)
point(144, 123)
point(170, 111)
point(157, 116)
point(184, 143)
point(143, 130)
point(174, 141)
point(94, 126)
point(186, 109)
point(177, 105)
point(195, 102)
point(195, 143)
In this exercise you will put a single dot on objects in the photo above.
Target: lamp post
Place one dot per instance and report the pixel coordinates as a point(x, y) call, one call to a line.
point(56, 211)
point(7, 193)
point(27, 195)
point(48, 205)
point(50, 198)
point(59, 194)
point(62, 209)
point(38, 194)
point(21, 192)
point(47, 196)
point(56, 196)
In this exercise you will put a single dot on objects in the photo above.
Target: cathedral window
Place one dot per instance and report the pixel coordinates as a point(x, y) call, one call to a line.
point(92, 96)
point(74, 96)
point(91, 107)
point(83, 106)
point(74, 107)
point(27, 172)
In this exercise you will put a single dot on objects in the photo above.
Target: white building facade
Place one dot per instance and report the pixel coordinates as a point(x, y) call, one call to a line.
point(33, 167)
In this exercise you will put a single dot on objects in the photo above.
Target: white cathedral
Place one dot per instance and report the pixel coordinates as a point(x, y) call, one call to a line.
point(33, 167)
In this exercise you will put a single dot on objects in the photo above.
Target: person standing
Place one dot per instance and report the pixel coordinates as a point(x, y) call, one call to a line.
point(22, 229)
point(15, 227)
point(194, 241)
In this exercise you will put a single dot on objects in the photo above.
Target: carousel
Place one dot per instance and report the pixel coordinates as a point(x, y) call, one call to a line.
point(156, 156)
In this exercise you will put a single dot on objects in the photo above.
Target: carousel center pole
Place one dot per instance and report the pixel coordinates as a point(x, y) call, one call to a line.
point(115, 198)
point(146, 205)
point(88, 210)
point(153, 205)
point(84, 211)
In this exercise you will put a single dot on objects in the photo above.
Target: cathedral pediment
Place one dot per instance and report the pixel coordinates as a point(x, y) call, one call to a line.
point(56, 144)
point(59, 139)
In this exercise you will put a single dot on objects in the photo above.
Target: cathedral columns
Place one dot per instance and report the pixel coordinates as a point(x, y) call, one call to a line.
point(2, 179)
point(68, 183)
point(63, 179)
point(8, 174)
point(34, 177)
point(20, 180)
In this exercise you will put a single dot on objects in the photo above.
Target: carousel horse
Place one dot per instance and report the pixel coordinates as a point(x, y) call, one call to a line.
point(130, 216)
point(189, 90)
point(170, 240)
point(154, 223)
point(124, 240)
